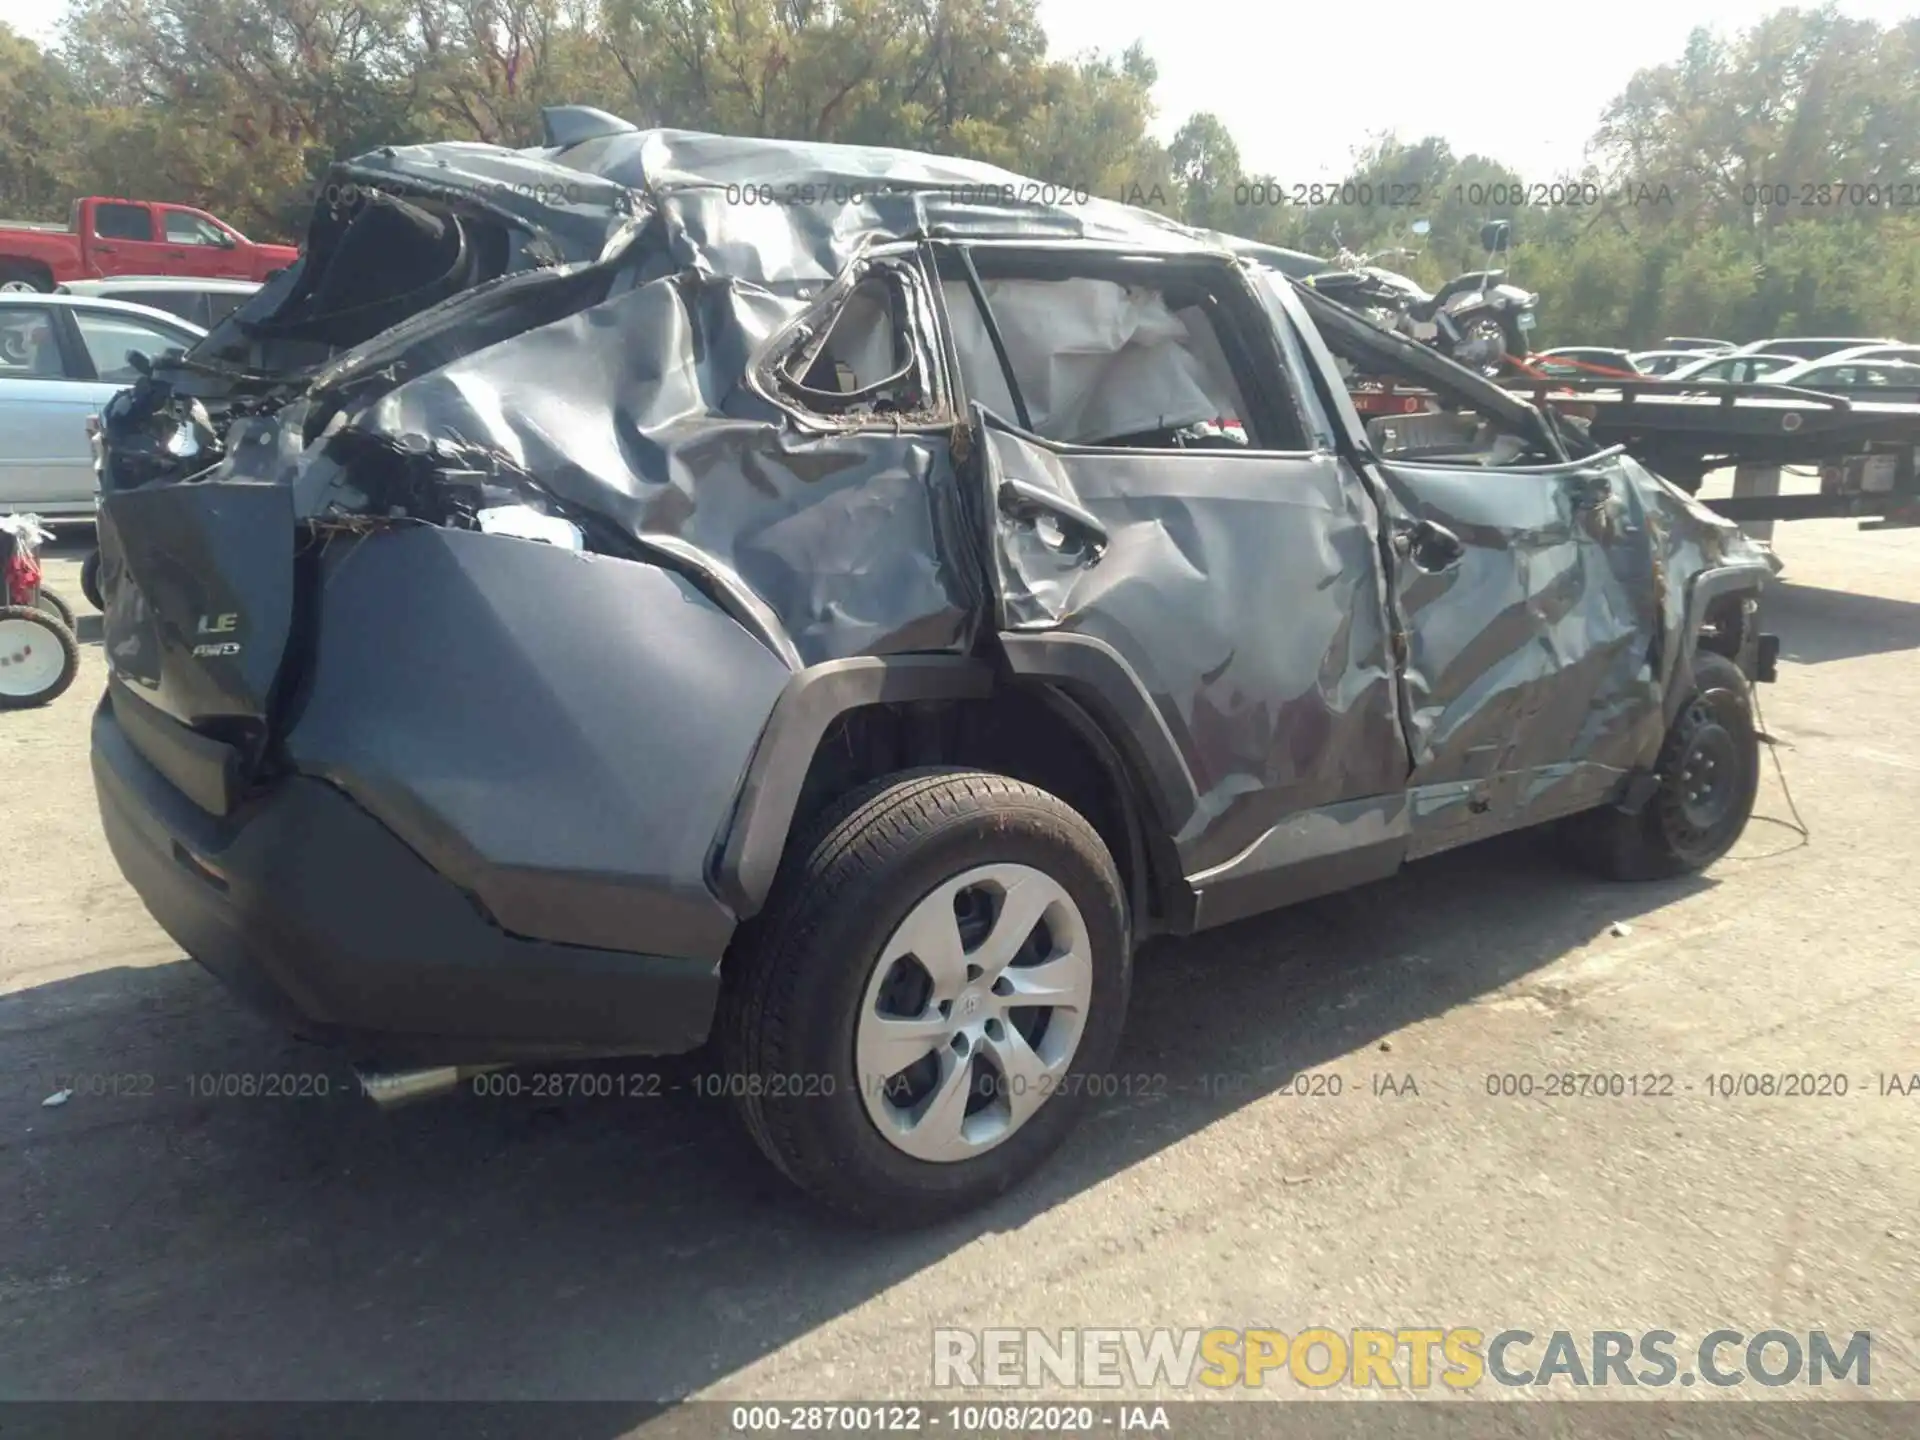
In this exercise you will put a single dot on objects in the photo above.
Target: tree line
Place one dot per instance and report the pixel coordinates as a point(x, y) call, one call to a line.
point(1759, 183)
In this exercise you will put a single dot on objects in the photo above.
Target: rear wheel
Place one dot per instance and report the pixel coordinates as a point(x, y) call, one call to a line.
point(1709, 771)
point(917, 1018)
point(38, 657)
point(23, 278)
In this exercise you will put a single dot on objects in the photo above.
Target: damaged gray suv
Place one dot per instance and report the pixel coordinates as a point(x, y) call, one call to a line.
point(660, 587)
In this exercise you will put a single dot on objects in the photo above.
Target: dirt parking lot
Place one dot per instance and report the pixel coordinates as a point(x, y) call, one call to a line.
point(165, 1240)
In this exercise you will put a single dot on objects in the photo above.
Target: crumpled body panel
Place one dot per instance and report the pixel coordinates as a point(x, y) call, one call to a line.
point(631, 409)
point(1539, 664)
point(1245, 591)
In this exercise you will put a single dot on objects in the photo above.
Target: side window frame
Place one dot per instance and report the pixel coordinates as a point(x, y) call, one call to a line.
point(1543, 430)
point(208, 235)
point(1257, 357)
point(917, 332)
point(100, 207)
point(85, 352)
point(66, 344)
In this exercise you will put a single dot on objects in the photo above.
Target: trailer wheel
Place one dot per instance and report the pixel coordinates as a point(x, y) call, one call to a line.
point(38, 657)
point(933, 992)
point(55, 606)
point(1709, 772)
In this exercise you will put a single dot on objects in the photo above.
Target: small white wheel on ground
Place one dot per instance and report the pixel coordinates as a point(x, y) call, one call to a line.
point(38, 657)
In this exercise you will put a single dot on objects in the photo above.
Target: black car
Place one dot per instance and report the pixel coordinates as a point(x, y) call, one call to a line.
point(661, 586)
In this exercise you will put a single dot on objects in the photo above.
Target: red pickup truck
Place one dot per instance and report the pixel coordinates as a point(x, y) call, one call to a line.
point(131, 237)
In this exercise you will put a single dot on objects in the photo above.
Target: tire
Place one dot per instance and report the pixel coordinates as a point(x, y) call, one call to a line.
point(90, 580)
point(18, 277)
point(809, 987)
point(1709, 770)
point(56, 607)
point(28, 676)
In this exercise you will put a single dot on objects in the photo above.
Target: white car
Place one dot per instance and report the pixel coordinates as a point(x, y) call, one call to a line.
point(1882, 381)
point(1910, 353)
point(1662, 362)
point(61, 358)
point(1812, 347)
point(196, 299)
point(1736, 368)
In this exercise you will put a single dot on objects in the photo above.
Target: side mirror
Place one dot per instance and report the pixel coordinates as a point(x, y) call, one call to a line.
point(227, 242)
point(1497, 235)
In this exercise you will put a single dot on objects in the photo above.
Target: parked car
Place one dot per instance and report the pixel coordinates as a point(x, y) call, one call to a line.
point(1662, 362)
point(1734, 368)
point(61, 358)
point(1697, 343)
point(1809, 347)
point(204, 303)
point(967, 604)
point(1888, 381)
point(105, 237)
point(1877, 352)
point(1577, 361)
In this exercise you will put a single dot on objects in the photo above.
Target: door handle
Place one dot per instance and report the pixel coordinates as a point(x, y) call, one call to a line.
point(1429, 545)
point(1590, 489)
point(1023, 499)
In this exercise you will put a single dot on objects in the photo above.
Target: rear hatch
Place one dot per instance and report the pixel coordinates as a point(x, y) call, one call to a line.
point(199, 584)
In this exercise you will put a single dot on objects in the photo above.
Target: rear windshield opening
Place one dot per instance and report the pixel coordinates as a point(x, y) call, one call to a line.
point(370, 264)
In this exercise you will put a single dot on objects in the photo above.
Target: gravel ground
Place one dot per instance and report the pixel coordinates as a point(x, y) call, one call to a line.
point(163, 1244)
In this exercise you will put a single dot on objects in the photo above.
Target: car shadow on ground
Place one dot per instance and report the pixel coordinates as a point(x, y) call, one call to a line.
point(1816, 625)
point(292, 1245)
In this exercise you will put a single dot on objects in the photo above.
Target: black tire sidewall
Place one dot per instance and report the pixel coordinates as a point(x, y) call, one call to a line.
point(55, 606)
point(1722, 685)
point(90, 580)
point(844, 944)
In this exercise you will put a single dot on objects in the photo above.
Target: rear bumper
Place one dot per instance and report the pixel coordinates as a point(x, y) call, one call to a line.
point(317, 914)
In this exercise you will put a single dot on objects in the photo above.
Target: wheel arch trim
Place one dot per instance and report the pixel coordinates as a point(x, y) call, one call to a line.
point(1704, 589)
point(757, 833)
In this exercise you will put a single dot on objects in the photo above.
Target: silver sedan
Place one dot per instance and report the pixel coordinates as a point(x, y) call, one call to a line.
point(61, 358)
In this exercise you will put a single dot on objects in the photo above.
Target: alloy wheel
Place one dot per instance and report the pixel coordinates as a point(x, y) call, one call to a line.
point(973, 1012)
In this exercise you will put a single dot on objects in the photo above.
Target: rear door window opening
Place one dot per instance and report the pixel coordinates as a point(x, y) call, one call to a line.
point(1091, 351)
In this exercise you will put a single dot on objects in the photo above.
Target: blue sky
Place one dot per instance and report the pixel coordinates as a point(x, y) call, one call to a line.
point(1301, 87)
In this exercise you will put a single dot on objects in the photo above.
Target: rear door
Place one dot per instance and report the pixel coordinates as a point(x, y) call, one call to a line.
point(123, 240)
point(1171, 534)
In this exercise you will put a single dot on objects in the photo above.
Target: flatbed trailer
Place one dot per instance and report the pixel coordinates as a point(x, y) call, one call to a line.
point(1866, 453)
